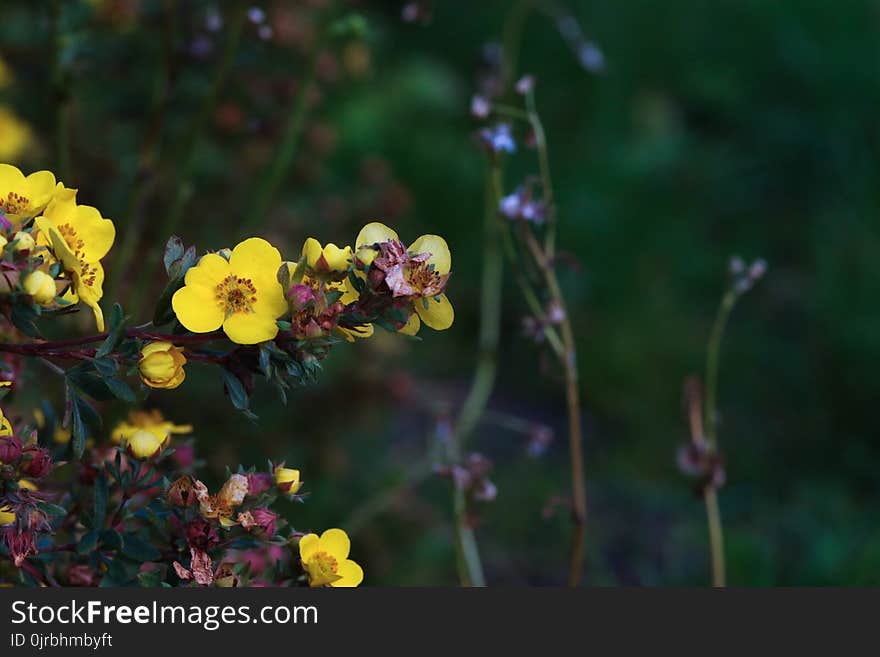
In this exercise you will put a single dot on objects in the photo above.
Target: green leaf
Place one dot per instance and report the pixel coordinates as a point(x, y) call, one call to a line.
point(117, 331)
point(120, 389)
point(137, 549)
point(237, 394)
point(88, 542)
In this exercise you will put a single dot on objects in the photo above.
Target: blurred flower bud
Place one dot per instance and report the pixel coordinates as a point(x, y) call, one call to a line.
point(497, 138)
point(480, 107)
point(161, 365)
point(40, 286)
point(10, 449)
point(36, 462)
point(259, 483)
point(144, 444)
point(525, 84)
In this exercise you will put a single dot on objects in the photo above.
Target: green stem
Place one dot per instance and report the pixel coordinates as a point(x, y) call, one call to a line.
point(712, 361)
point(716, 536)
point(193, 134)
point(469, 564)
point(60, 94)
point(546, 179)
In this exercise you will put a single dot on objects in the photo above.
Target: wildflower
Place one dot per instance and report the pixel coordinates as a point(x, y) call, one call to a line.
point(306, 296)
point(151, 422)
point(287, 480)
point(242, 295)
point(328, 261)
point(221, 505)
point(23, 197)
point(17, 135)
point(419, 273)
point(78, 237)
point(525, 84)
point(40, 286)
point(161, 365)
point(325, 559)
point(480, 107)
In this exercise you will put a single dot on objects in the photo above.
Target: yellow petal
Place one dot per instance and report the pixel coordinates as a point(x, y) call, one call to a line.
point(308, 545)
point(197, 309)
point(335, 543)
point(412, 325)
point(41, 187)
point(209, 272)
point(374, 233)
point(441, 258)
point(96, 232)
point(250, 328)
point(311, 251)
point(439, 315)
point(350, 574)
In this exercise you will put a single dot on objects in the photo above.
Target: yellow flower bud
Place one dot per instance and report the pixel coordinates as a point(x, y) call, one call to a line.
point(161, 365)
point(24, 241)
point(365, 255)
point(144, 444)
point(40, 286)
point(287, 479)
point(6, 516)
point(325, 260)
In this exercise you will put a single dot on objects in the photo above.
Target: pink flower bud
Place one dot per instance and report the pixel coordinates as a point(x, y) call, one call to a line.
point(259, 482)
point(10, 449)
point(36, 462)
point(301, 296)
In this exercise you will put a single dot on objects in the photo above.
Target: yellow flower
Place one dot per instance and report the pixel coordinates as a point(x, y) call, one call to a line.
point(78, 237)
point(17, 135)
point(328, 261)
point(27, 484)
point(287, 479)
point(5, 426)
point(40, 286)
point(23, 197)
point(242, 295)
point(423, 278)
point(151, 422)
point(161, 365)
point(23, 241)
point(326, 561)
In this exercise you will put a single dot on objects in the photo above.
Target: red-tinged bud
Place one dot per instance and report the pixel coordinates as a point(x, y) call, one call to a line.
point(36, 462)
point(301, 296)
point(10, 449)
point(376, 277)
point(184, 456)
point(259, 482)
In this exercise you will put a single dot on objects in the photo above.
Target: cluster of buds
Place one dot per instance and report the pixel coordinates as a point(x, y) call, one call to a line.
point(472, 476)
point(744, 275)
point(522, 205)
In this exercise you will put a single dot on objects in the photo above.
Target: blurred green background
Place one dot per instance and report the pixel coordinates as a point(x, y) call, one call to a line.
point(714, 128)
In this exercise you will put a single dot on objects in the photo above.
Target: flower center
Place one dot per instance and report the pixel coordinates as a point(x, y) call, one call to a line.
point(426, 280)
point(14, 203)
point(322, 569)
point(76, 244)
point(236, 295)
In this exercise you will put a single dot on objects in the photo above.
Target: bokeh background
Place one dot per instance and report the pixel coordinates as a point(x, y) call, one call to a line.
point(712, 129)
